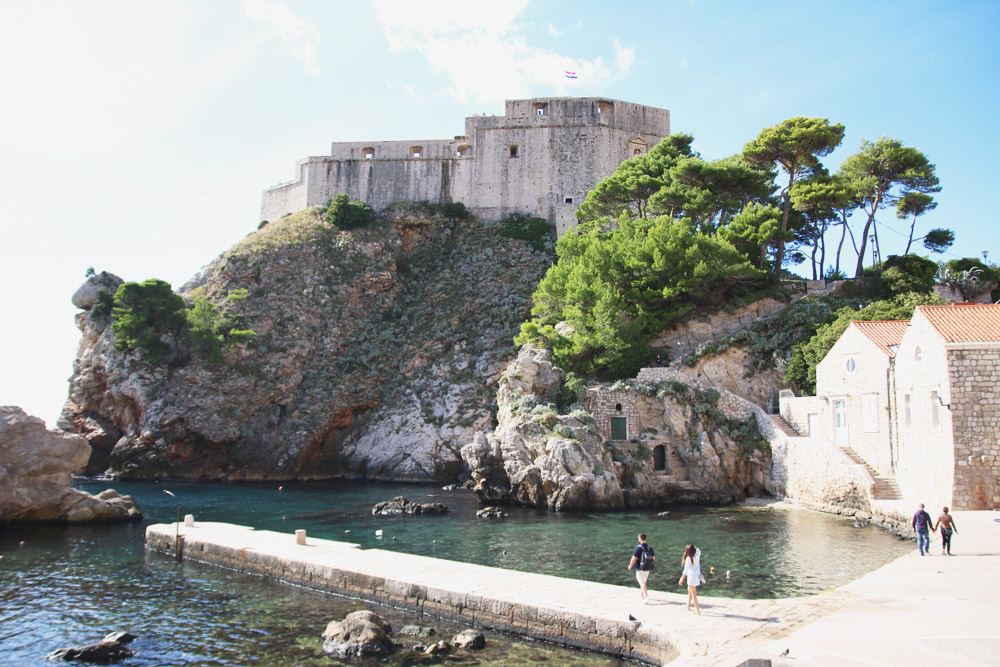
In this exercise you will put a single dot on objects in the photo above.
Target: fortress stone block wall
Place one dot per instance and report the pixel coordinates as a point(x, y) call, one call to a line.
point(540, 158)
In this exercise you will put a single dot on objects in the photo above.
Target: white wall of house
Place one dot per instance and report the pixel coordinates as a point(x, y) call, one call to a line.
point(925, 452)
point(856, 372)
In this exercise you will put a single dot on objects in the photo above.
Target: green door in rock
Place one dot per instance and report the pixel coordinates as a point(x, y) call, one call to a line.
point(619, 430)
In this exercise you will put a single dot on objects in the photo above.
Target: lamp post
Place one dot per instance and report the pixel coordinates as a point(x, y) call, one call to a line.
point(177, 526)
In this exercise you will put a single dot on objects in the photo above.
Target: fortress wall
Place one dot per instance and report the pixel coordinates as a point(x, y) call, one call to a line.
point(291, 196)
point(561, 154)
point(434, 149)
point(382, 182)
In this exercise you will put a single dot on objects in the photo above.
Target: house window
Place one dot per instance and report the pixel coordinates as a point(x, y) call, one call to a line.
point(619, 428)
point(636, 151)
point(907, 410)
point(513, 150)
point(416, 151)
point(916, 354)
point(852, 364)
point(541, 108)
point(369, 153)
point(869, 405)
point(568, 200)
point(935, 410)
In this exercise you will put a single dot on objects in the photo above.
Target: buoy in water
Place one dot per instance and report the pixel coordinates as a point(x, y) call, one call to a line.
point(281, 488)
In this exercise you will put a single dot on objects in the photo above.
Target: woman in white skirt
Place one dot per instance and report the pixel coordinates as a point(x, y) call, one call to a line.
point(692, 570)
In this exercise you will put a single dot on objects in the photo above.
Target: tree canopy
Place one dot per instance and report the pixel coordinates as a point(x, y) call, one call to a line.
point(610, 292)
point(882, 173)
point(143, 313)
point(796, 146)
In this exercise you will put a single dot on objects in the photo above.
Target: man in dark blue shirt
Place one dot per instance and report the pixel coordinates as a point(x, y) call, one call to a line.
point(922, 525)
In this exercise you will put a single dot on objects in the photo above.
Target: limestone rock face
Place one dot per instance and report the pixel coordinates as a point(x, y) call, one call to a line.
point(36, 467)
point(682, 340)
point(361, 633)
point(89, 294)
point(536, 457)
point(375, 356)
point(540, 458)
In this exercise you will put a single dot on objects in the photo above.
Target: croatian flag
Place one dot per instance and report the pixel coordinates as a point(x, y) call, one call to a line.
point(570, 75)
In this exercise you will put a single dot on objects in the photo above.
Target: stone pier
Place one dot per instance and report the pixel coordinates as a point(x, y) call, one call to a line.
point(915, 610)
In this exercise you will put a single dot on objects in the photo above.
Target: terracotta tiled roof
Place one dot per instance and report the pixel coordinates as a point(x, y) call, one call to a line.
point(965, 322)
point(884, 333)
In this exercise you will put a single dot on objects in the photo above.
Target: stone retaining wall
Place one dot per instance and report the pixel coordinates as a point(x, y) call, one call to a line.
point(605, 635)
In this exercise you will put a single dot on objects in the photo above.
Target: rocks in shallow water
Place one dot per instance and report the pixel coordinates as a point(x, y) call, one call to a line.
point(36, 467)
point(400, 505)
point(110, 649)
point(361, 633)
point(438, 648)
point(469, 639)
point(417, 631)
point(491, 513)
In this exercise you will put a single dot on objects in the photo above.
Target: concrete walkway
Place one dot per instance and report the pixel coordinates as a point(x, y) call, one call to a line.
point(931, 610)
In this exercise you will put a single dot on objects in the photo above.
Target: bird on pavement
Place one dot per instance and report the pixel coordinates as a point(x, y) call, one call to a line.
point(784, 654)
point(631, 617)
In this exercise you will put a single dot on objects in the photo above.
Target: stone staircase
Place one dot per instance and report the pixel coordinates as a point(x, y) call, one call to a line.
point(885, 488)
point(784, 426)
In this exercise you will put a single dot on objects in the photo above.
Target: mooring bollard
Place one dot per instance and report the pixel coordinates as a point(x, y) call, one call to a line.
point(300, 537)
point(189, 520)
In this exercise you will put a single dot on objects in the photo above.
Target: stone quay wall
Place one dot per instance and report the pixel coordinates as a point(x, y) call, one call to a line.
point(427, 585)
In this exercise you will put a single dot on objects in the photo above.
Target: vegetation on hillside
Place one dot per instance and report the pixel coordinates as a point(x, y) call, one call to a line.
point(669, 234)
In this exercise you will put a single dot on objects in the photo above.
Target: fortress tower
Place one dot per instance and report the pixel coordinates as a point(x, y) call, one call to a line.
point(540, 158)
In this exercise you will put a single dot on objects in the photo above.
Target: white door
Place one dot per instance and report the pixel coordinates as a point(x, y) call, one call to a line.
point(840, 422)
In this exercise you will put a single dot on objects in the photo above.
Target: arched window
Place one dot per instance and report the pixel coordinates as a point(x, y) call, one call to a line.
point(416, 151)
point(541, 108)
point(368, 152)
point(605, 107)
point(463, 150)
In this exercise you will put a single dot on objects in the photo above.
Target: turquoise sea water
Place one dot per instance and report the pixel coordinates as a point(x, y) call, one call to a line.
point(70, 585)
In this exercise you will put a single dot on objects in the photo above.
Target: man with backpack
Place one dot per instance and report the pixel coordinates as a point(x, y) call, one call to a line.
point(643, 560)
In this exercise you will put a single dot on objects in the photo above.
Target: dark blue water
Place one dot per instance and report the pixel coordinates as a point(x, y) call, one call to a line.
point(70, 585)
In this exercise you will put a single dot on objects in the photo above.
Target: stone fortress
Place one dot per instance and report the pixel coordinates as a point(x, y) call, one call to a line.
point(540, 158)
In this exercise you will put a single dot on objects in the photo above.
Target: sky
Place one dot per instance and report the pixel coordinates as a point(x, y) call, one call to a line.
point(137, 137)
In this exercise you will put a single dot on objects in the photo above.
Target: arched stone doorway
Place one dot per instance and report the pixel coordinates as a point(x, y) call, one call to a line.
point(659, 459)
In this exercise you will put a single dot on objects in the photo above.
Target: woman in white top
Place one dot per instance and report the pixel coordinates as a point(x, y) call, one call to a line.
point(692, 570)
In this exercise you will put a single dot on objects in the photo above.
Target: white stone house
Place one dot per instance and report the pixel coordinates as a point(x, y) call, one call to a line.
point(914, 402)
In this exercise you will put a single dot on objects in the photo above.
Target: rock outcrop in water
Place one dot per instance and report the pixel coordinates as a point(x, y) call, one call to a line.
point(36, 468)
point(540, 457)
point(375, 356)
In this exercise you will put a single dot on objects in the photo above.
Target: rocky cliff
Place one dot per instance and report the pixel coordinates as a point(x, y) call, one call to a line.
point(685, 444)
point(376, 353)
point(36, 467)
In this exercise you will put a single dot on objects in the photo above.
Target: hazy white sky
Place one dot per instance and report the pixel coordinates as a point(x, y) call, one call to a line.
point(136, 137)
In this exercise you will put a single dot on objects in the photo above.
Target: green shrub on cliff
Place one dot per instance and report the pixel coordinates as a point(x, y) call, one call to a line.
point(537, 232)
point(343, 213)
point(142, 313)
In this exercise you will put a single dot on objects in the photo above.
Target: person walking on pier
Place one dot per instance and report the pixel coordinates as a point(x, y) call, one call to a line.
point(946, 523)
point(922, 525)
point(643, 560)
point(692, 570)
